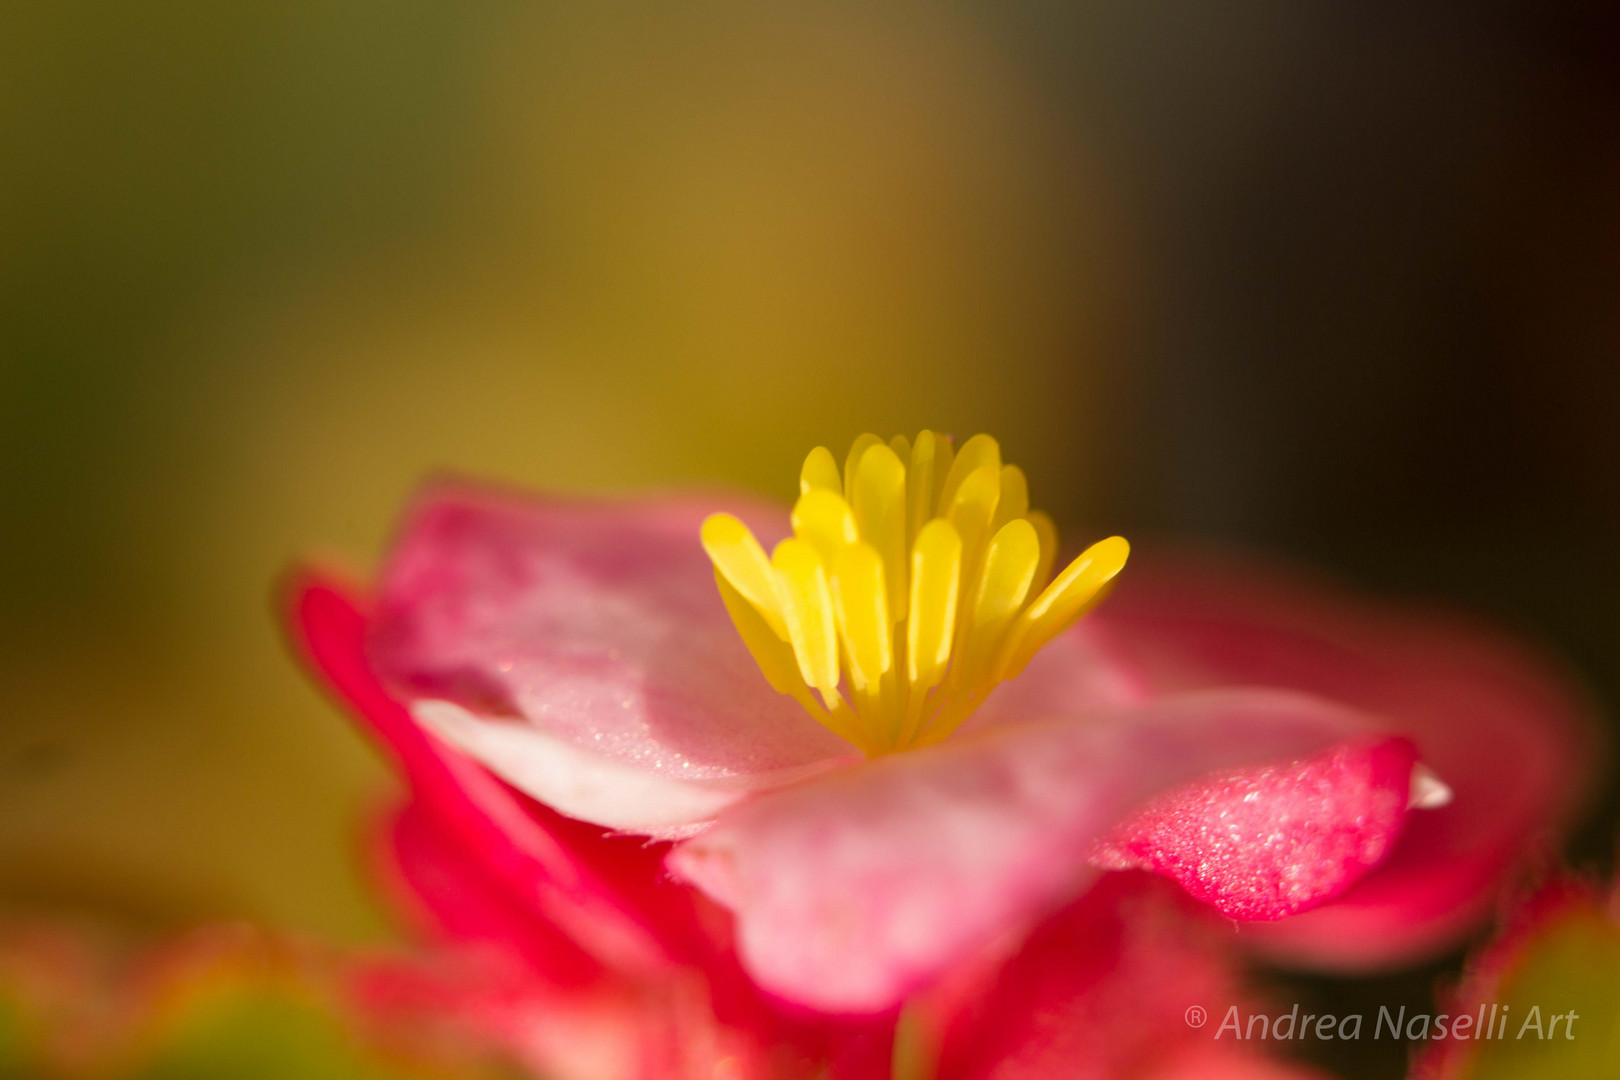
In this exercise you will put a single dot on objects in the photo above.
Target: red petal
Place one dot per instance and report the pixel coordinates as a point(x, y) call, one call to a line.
point(463, 900)
point(1262, 843)
point(1102, 992)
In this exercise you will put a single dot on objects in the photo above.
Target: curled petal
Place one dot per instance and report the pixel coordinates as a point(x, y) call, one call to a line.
point(1504, 732)
point(1262, 843)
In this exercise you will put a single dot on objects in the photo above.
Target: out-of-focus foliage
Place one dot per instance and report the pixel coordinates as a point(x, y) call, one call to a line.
point(219, 1004)
point(1555, 974)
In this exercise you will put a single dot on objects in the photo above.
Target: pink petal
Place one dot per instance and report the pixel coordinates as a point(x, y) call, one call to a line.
point(604, 893)
point(856, 888)
point(581, 651)
point(1262, 843)
point(1506, 733)
point(1101, 992)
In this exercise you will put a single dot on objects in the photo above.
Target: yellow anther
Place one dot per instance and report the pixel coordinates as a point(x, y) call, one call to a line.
point(856, 452)
point(973, 508)
point(977, 453)
point(741, 561)
point(780, 666)
point(912, 586)
point(878, 498)
point(930, 457)
point(1014, 502)
point(1069, 596)
point(824, 520)
point(862, 608)
point(771, 652)
point(807, 609)
point(1009, 571)
point(1004, 584)
point(1047, 531)
point(820, 471)
point(936, 564)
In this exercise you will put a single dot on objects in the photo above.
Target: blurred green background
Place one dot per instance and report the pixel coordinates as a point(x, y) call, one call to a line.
point(1340, 280)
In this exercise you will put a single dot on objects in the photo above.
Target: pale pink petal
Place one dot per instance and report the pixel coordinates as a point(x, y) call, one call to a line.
point(1263, 843)
point(580, 783)
point(854, 889)
point(1102, 991)
point(1070, 676)
point(1496, 724)
point(605, 893)
point(569, 632)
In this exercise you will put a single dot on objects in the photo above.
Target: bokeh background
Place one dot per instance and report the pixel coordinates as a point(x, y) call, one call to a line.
point(1337, 280)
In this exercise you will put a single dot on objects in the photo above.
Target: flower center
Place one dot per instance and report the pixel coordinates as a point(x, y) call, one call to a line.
point(915, 581)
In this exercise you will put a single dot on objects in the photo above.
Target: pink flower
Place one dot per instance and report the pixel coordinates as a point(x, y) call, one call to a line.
point(610, 750)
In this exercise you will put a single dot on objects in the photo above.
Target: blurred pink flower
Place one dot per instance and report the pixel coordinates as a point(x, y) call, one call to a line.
point(599, 772)
point(86, 1000)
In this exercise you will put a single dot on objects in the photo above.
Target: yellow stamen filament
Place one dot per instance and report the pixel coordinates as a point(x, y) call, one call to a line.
point(914, 583)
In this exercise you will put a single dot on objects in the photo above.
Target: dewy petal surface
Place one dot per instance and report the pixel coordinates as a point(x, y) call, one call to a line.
point(852, 891)
point(553, 638)
point(1502, 729)
point(1264, 843)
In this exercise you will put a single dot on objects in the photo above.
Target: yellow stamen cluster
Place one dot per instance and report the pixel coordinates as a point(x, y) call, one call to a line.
point(912, 585)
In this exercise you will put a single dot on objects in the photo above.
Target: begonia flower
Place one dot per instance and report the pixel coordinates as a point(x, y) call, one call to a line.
point(893, 745)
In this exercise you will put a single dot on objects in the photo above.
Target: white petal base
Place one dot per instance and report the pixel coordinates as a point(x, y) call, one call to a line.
point(577, 782)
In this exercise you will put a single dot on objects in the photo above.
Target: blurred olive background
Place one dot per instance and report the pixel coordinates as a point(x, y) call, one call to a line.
point(1339, 280)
